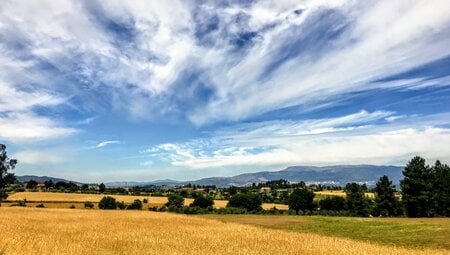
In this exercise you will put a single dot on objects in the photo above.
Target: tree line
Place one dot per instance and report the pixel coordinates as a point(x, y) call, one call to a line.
point(425, 192)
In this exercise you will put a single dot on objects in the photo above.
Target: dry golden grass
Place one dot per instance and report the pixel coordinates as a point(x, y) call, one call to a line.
point(66, 199)
point(65, 231)
point(339, 193)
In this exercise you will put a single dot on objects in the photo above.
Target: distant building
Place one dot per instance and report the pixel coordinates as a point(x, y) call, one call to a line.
point(265, 189)
point(40, 186)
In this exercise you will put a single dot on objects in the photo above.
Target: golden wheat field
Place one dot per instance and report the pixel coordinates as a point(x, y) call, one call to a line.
point(64, 200)
point(65, 231)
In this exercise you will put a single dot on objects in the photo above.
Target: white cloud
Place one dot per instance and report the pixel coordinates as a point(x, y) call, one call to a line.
point(328, 141)
point(143, 68)
point(40, 157)
point(27, 127)
point(105, 143)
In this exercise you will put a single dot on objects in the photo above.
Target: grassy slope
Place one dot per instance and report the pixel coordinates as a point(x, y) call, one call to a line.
point(433, 233)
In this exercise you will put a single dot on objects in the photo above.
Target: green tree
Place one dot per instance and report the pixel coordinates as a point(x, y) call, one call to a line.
point(357, 203)
point(417, 189)
point(386, 204)
point(107, 203)
point(249, 201)
point(301, 199)
point(441, 189)
point(49, 184)
point(175, 201)
point(333, 203)
point(6, 164)
point(101, 187)
point(31, 184)
point(203, 201)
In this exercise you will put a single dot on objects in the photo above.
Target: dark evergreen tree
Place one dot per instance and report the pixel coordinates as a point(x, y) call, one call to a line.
point(441, 189)
point(385, 202)
point(301, 199)
point(357, 203)
point(6, 164)
point(417, 189)
point(101, 187)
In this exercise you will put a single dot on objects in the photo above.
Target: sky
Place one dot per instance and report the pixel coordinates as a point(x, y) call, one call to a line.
point(98, 91)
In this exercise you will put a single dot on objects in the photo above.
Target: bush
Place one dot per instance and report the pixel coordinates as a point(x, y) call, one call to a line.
point(145, 201)
point(136, 205)
point(195, 210)
point(230, 210)
point(175, 201)
point(88, 205)
point(107, 203)
point(121, 205)
point(250, 202)
point(20, 203)
point(153, 208)
point(40, 206)
point(72, 207)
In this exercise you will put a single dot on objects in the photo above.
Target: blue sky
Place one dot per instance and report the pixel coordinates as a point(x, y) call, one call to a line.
point(143, 90)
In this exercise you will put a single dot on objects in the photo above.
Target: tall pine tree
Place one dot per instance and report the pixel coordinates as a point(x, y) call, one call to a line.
point(386, 203)
point(441, 189)
point(417, 189)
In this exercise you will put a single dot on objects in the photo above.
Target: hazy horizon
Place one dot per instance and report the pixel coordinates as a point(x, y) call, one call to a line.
point(145, 90)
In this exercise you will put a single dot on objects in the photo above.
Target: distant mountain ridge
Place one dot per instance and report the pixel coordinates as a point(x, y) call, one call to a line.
point(337, 175)
point(41, 179)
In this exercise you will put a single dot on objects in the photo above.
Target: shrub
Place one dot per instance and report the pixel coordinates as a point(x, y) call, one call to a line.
point(230, 210)
point(22, 203)
point(153, 208)
point(136, 205)
point(145, 201)
point(195, 210)
point(175, 201)
point(72, 207)
point(121, 205)
point(107, 203)
point(40, 206)
point(88, 205)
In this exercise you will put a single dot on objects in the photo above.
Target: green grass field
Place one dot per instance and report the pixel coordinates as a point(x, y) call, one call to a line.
point(407, 232)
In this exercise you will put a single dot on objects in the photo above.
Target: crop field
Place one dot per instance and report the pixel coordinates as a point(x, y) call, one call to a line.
point(340, 193)
point(406, 232)
point(65, 200)
point(73, 231)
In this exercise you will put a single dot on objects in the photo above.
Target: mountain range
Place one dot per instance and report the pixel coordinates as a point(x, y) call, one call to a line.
point(334, 175)
point(331, 175)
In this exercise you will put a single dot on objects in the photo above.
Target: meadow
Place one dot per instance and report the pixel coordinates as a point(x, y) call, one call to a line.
point(406, 232)
point(74, 231)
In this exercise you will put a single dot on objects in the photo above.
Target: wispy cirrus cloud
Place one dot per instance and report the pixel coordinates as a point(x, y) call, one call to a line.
point(106, 143)
point(198, 60)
